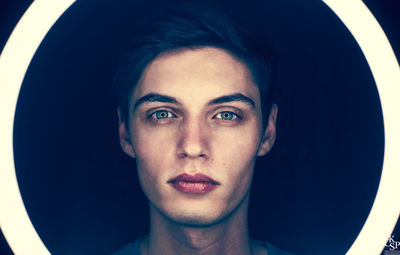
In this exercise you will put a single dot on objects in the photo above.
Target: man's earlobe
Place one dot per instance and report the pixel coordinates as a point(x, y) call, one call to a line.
point(268, 139)
point(124, 138)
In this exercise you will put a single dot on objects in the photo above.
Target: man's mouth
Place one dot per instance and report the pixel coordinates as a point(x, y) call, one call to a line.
point(197, 184)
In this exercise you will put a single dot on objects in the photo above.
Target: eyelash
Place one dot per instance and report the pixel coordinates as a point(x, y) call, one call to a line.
point(233, 115)
point(220, 116)
point(154, 117)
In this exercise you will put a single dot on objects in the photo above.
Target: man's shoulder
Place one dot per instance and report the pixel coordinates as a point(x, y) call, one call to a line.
point(274, 250)
point(133, 249)
point(129, 249)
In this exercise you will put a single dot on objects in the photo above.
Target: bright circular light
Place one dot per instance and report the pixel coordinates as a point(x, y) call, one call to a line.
point(14, 61)
point(385, 69)
point(32, 28)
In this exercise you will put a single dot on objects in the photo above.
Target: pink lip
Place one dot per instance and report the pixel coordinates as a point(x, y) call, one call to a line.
point(198, 183)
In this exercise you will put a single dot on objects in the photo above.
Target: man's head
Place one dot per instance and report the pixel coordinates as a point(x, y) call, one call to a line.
point(191, 113)
point(193, 26)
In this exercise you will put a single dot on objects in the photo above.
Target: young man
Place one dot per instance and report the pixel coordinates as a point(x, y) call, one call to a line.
point(195, 112)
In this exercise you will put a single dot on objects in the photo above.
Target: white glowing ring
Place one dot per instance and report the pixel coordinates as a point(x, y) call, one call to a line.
point(385, 69)
point(42, 14)
point(14, 60)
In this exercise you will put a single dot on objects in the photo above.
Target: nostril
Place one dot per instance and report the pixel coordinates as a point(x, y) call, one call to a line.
point(182, 155)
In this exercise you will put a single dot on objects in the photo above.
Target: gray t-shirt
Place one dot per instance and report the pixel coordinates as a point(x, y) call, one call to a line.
point(133, 249)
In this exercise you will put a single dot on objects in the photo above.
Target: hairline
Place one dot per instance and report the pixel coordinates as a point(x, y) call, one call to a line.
point(176, 50)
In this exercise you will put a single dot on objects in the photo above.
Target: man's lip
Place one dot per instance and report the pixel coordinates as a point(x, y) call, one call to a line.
point(193, 178)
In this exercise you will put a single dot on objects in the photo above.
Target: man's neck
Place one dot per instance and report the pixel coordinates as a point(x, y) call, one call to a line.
point(229, 236)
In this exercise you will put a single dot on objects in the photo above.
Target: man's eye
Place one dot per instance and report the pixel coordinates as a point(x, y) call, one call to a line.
point(162, 114)
point(226, 116)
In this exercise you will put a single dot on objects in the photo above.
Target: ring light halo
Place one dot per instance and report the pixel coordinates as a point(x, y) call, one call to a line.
point(14, 61)
point(385, 70)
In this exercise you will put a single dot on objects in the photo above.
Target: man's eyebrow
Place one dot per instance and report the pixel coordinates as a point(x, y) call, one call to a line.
point(153, 97)
point(232, 98)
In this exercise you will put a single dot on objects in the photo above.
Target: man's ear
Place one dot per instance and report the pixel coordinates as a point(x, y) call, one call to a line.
point(124, 138)
point(270, 132)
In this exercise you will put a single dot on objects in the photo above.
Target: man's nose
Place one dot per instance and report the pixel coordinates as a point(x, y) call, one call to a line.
point(193, 139)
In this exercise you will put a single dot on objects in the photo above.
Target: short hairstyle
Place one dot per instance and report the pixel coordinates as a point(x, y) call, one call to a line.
point(192, 26)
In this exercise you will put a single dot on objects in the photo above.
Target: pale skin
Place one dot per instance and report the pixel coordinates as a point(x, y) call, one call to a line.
point(197, 111)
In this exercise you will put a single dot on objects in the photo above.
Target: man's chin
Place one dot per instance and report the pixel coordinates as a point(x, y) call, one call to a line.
point(195, 221)
point(199, 215)
point(196, 218)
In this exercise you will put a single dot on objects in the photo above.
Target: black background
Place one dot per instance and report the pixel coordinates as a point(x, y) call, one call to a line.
point(311, 193)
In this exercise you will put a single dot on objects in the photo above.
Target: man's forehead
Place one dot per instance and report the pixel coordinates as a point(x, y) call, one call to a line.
point(195, 72)
point(189, 57)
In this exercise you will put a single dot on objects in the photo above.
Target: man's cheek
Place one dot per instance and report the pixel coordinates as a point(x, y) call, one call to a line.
point(150, 145)
point(149, 180)
point(243, 151)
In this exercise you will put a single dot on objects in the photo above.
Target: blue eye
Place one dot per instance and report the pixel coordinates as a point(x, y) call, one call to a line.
point(226, 116)
point(162, 114)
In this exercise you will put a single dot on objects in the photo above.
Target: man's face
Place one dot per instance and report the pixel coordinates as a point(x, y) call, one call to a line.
point(195, 129)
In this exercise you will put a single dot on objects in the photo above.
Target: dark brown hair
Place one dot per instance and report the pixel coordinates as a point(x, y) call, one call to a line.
point(193, 26)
